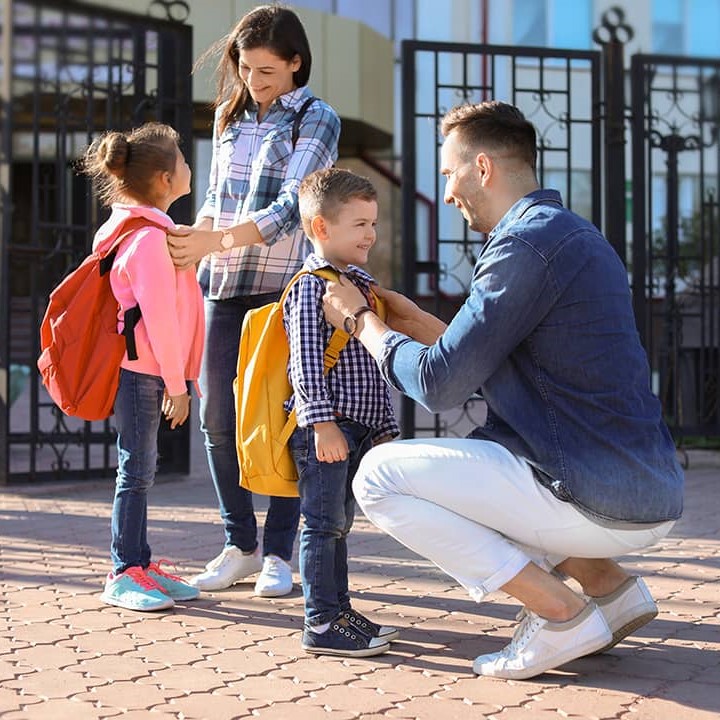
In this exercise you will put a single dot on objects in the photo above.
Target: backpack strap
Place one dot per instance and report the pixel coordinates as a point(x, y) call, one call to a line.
point(338, 340)
point(131, 317)
point(298, 117)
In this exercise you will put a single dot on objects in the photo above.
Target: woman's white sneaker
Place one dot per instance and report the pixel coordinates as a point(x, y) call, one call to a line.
point(539, 645)
point(275, 579)
point(227, 568)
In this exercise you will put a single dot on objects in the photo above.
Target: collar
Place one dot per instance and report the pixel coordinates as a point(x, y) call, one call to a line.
point(356, 274)
point(536, 197)
point(292, 100)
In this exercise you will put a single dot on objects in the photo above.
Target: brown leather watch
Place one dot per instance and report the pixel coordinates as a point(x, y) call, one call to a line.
point(350, 321)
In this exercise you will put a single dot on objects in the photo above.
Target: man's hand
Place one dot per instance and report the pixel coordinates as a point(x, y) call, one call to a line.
point(341, 299)
point(330, 443)
point(404, 316)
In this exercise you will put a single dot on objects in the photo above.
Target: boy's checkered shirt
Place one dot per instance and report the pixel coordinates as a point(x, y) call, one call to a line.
point(354, 388)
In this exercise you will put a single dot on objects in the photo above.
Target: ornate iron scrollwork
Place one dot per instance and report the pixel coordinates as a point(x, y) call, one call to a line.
point(613, 28)
point(174, 10)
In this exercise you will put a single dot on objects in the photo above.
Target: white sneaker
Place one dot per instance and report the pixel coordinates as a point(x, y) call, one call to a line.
point(539, 645)
point(227, 568)
point(626, 609)
point(275, 579)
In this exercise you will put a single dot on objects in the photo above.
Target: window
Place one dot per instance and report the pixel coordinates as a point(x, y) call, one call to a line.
point(667, 27)
point(685, 27)
point(552, 23)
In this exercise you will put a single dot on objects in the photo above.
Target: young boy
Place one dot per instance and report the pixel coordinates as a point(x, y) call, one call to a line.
point(340, 416)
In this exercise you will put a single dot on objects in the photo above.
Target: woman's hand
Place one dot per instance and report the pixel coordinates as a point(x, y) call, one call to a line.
point(188, 245)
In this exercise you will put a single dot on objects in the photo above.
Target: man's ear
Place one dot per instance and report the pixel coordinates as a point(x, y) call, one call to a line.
point(485, 167)
point(319, 228)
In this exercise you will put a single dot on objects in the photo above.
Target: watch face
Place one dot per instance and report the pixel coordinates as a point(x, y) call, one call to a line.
point(349, 325)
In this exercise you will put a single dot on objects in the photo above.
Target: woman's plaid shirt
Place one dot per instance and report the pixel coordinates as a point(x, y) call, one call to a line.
point(255, 173)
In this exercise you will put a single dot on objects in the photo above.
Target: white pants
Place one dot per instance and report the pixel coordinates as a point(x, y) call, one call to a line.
point(477, 512)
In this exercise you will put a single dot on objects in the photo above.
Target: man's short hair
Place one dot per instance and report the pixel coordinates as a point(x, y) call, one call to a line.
point(496, 126)
point(323, 192)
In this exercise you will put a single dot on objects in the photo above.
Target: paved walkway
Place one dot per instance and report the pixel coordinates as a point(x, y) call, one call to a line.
point(63, 654)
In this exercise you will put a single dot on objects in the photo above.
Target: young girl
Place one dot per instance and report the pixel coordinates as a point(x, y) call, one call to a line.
point(248, 238)
point(141, 174)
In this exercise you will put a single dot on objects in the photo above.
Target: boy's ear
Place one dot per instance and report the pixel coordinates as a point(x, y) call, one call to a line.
point(319, 228)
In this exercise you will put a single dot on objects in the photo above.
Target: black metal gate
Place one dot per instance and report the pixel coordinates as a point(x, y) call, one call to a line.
point(676, 221)
point(559, 92)
point(70, 71)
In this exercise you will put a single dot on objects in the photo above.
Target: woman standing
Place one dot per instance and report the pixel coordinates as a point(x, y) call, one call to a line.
point(269, 133)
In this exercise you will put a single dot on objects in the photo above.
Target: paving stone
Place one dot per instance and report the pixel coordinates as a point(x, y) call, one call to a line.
point(44, 657)
point(53, 683)
point(433, 707)
point(286, 711)
point(353, 699)
point(202, 706)
point(126, 695)
point(171, 652)
point(14, 699)
point(114, 642)
point(41, 633)
point(116, 668)
point(580, 702)
point(665, 709)
point(408, 683)
point(59, 709)
point(188, 679)
point(493, 692)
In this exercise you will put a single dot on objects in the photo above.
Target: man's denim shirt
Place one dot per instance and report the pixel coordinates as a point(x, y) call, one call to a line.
point(547, 336)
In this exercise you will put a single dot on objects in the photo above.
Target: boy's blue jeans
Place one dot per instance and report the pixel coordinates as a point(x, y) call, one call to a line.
point(328, 506)
point(223, 322)
point(138, 408)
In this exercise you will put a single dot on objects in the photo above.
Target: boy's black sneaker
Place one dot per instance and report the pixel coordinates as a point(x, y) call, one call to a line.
point(369, 628)
point(342, 638)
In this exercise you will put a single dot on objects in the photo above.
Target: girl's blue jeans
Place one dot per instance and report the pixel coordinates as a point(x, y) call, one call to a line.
point(328, 507)
point(138, 408)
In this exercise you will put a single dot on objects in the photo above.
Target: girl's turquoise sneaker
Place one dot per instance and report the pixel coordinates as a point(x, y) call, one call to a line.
point(173, 585)
point(133, 589)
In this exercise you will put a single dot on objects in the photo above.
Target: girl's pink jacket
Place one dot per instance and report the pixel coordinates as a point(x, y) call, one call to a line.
point(170, 334)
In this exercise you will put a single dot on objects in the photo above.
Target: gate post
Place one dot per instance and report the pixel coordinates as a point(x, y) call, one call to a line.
point(612, 34)
point(6, 58)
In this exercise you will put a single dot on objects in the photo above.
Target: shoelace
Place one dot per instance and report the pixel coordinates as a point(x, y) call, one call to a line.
point(272, 565)
point(141, 578)
point(155, 567)
point(529, 623)
point(222, 559)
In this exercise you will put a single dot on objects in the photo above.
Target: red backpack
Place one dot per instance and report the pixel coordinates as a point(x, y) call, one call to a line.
point(81, 349)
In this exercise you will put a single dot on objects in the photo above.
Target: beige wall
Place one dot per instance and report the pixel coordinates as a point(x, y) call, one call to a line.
point(352, 64)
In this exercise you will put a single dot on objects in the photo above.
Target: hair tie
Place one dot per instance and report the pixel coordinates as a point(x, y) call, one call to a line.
point(128, 155)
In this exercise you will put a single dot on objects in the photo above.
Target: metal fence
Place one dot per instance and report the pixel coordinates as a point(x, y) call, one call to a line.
point(646, 171)
point(70, 71)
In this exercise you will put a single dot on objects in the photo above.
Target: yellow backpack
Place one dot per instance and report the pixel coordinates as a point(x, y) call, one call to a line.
point(261, 389)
